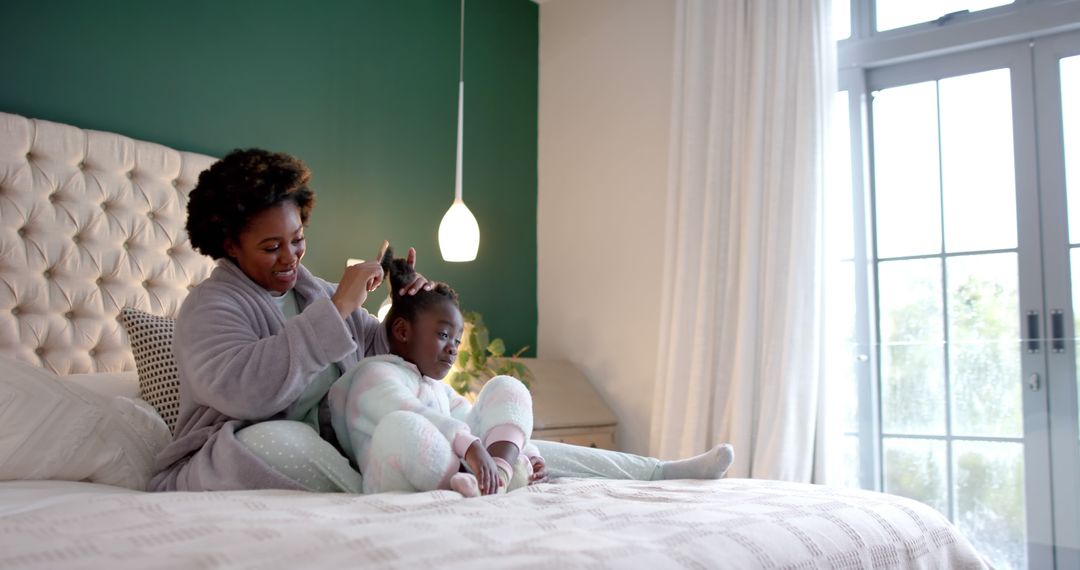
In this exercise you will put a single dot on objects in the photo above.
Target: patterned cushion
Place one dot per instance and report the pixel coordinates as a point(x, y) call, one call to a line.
point(151, 344)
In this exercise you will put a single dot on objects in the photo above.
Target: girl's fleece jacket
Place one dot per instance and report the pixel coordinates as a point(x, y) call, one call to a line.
point(381, 385)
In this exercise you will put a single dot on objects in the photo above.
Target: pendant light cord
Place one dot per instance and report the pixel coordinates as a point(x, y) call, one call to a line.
point(461, 57)
point(461, 108)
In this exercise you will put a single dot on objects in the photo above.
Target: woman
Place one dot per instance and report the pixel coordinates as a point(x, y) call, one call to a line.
point(260, 341)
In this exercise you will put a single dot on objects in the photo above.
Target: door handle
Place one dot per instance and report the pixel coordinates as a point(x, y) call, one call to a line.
point(1033, 382)
point(1057, 330)
point(1033, 332)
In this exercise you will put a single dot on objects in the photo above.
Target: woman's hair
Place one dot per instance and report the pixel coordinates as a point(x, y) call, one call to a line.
point(239, 186)
point(399, 273)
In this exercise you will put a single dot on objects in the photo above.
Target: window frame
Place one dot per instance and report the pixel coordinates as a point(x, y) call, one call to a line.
point(1024, 19)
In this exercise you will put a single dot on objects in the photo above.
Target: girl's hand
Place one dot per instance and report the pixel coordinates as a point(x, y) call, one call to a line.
point(482, 465)
point(357, 281)
point(420, 282)
point(539, 474)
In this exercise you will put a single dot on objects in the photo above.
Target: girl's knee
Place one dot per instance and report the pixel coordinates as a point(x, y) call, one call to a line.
point(503, 401)
point(504, 388)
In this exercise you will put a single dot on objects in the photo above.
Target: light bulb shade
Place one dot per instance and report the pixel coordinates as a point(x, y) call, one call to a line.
point(459, 235)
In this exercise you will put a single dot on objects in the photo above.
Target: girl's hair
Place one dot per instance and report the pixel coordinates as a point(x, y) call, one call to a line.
point(239, 186)
point(399, 273)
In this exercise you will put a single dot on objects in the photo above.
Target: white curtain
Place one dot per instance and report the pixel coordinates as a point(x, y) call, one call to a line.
point(742, 330)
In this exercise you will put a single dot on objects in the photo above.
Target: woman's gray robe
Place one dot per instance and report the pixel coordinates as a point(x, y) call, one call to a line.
point(240, 363)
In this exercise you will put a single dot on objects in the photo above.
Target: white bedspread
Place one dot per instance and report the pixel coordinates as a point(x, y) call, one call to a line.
point(574, 523)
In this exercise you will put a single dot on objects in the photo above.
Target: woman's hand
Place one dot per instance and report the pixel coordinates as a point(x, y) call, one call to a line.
point(539, 474)
point(357, 281)
point(482, 465)
point(420, 282)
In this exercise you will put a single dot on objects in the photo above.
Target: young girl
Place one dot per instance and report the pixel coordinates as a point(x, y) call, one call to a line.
point(407, 430)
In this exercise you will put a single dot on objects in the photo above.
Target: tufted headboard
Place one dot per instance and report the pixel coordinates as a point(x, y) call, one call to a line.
point(90, 222)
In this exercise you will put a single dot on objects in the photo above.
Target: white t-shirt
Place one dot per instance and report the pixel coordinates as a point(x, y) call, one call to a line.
point(307, 407)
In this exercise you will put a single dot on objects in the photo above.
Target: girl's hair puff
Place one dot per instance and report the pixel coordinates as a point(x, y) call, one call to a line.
point(399, 274)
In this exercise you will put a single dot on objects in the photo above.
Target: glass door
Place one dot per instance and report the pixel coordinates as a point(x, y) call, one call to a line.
point(962, 421)
point(1057, 71)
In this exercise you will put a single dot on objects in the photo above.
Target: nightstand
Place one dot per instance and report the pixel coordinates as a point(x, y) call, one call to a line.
point(566, 408)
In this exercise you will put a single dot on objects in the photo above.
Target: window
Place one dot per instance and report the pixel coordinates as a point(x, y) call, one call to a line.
point(961, 272)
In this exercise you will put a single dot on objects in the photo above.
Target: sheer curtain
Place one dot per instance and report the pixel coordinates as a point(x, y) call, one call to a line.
point(742, 328)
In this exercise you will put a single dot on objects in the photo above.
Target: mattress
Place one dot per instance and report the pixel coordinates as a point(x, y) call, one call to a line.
point(570, 523)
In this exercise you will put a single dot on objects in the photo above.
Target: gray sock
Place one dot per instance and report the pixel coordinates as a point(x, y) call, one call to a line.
point(712, 464)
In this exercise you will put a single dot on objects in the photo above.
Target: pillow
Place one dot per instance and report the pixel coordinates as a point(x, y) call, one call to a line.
point(52, 429)
point(151, 345)
point(110, 384)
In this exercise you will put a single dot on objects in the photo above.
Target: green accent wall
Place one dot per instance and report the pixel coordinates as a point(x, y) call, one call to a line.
point(364, 91)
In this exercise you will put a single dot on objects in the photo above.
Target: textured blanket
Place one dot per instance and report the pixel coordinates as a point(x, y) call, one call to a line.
point(573, 523)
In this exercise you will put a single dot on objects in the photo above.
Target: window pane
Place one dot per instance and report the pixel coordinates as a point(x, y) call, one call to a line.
point(852, 467)
point(841, 21)
point(840, 229)
point(910, 300)
point(841, 363)
point(893, 14)
point(1074, 262)
point(1070, 117)
point(984, 345)
point(840, 244)
point(913, 389)
point(990, 499)
point(906, 177)
point(915, 468)
point(983, 297)
point(912, 355)
point(978, 181)
point(1070, 110)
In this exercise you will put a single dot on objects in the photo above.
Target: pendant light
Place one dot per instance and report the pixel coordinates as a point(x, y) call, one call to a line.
point(459, 235)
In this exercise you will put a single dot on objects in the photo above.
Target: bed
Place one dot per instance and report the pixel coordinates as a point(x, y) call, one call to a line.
point(91, 223)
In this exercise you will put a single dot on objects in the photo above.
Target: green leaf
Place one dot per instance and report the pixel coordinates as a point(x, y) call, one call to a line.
point(475, 348)
point(473, 317)
point(458, 382)
point(520, 373)
point(526, 377)
point(482, 339)
point(497, 347)
point(463, 357)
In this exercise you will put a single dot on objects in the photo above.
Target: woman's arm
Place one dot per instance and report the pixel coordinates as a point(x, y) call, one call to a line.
point(358, 280)
point(227, 366)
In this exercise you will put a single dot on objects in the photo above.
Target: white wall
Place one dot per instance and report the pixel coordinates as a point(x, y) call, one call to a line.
point(604, 117)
